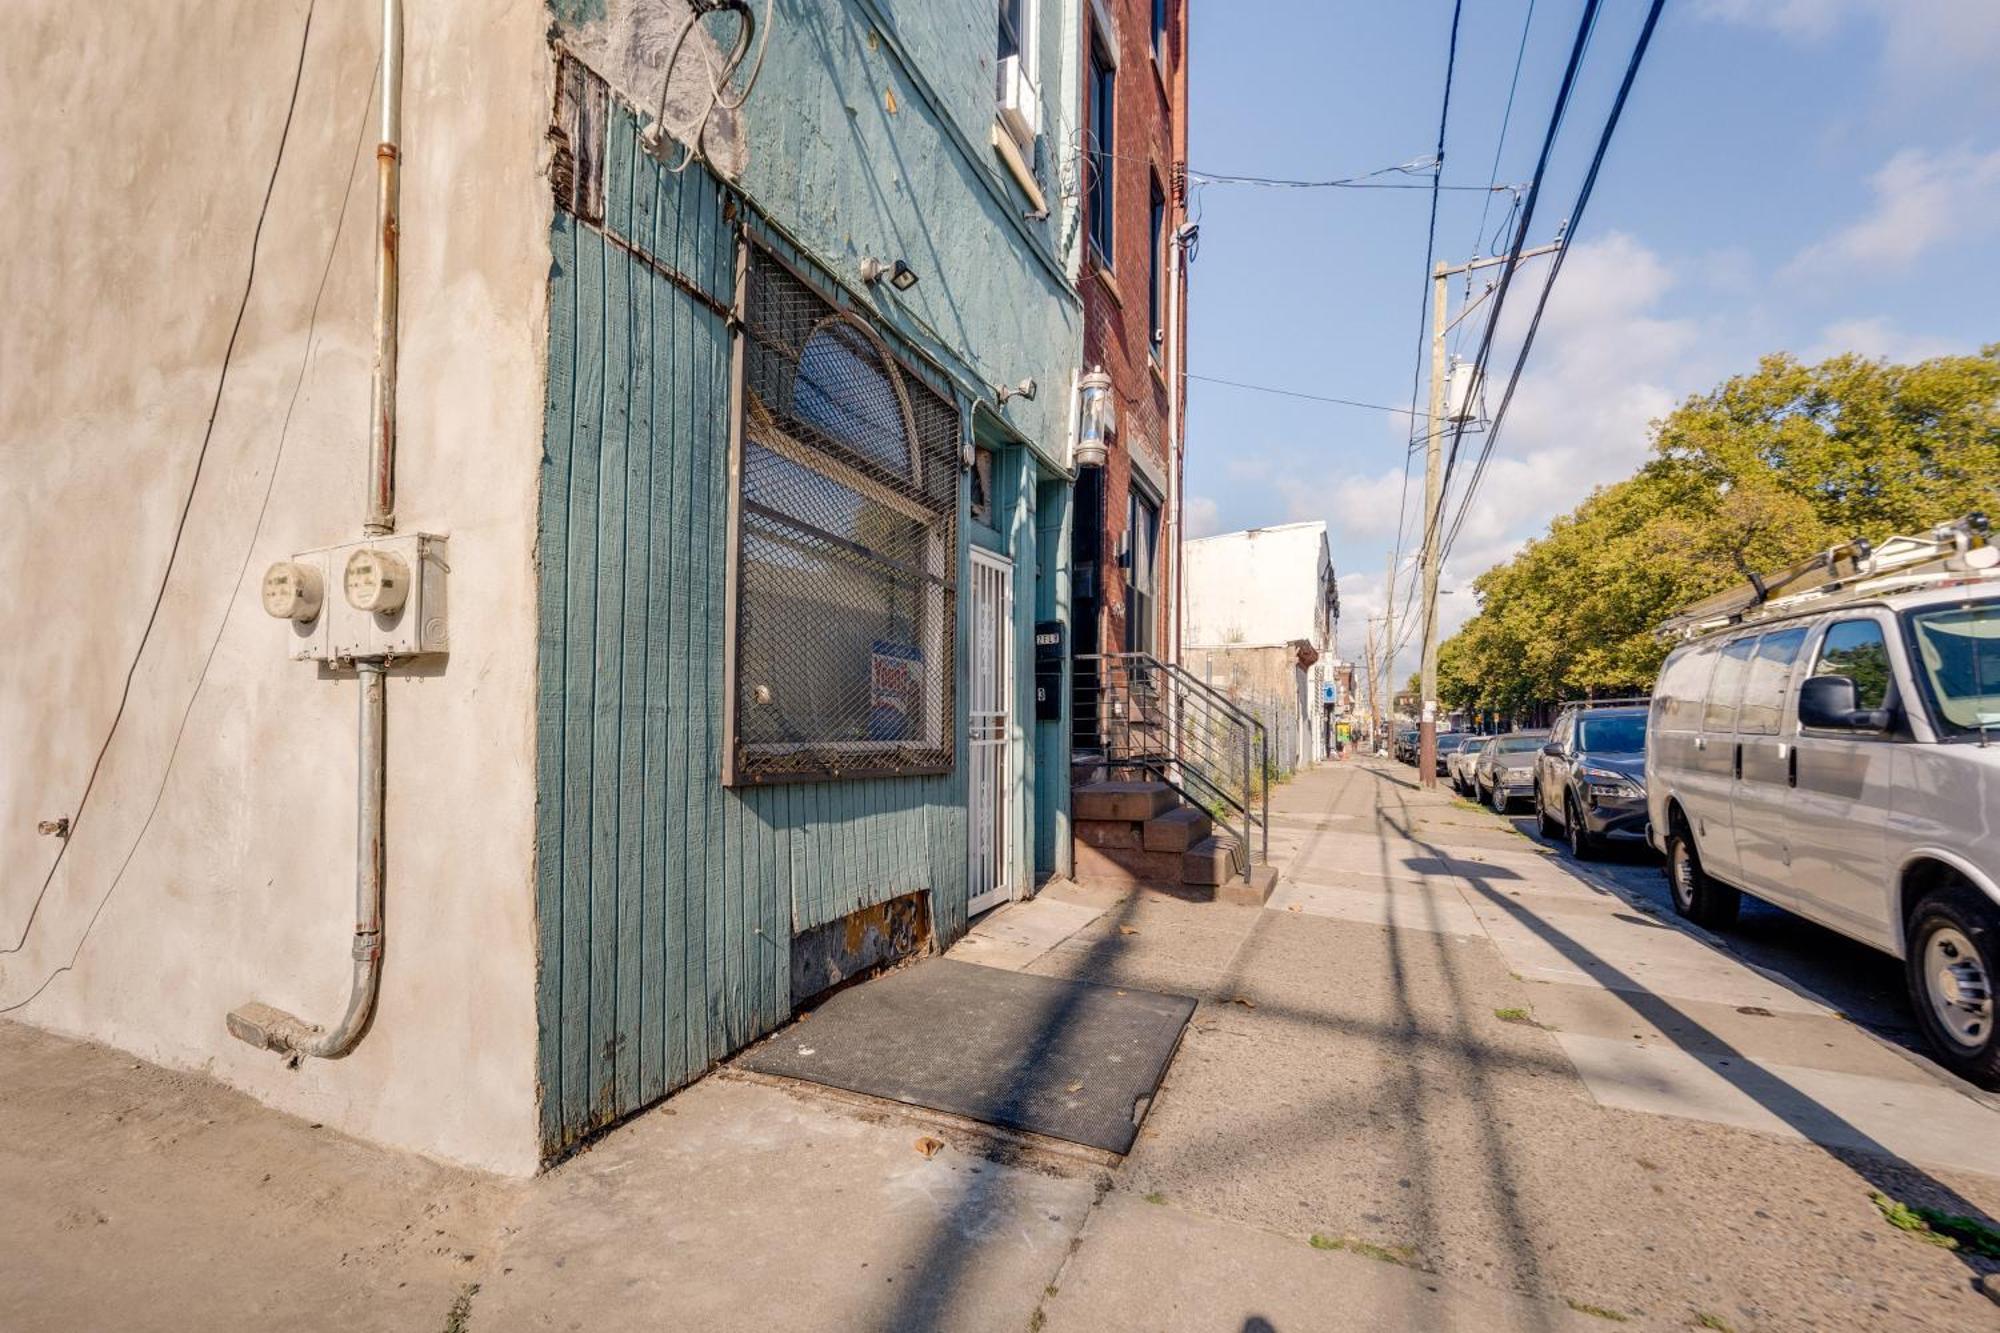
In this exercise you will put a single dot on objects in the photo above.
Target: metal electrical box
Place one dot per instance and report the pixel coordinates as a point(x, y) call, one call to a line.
point(361, 572)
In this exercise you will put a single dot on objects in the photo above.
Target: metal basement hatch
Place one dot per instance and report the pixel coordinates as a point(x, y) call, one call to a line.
point(1046, 1055)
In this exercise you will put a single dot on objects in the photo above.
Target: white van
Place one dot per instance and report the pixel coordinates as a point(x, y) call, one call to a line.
point(1837, 753)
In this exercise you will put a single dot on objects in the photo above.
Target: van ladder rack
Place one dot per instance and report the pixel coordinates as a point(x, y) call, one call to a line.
point(1857, 568)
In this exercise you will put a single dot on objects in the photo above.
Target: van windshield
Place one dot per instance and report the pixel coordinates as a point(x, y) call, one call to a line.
point(1959, 647)
point(1624, 734)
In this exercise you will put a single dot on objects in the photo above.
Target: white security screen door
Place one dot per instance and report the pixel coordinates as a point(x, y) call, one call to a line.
point(989, 726)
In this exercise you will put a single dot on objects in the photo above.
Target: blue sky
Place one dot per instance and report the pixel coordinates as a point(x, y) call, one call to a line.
point(1811, 176)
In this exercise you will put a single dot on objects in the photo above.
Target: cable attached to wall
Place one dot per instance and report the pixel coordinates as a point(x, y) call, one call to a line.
point(721, 78)
point(180, 529)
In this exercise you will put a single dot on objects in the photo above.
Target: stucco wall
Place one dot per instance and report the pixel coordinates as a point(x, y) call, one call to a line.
point(1264, 586)
point(142, 137)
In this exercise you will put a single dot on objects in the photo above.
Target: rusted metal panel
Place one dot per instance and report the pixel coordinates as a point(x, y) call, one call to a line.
point(855, 945)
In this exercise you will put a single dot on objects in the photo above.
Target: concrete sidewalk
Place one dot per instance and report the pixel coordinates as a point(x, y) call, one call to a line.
point(1445, 1079)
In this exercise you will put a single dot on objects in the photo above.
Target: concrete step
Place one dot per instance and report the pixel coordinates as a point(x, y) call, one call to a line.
point(1263, 882)
point(1136, 801)
point(1176, 830)
point(1210, 861)
point(1126, 867)
point(1114, 834)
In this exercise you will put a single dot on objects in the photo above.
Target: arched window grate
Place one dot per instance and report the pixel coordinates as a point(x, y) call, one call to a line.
point(846, 528)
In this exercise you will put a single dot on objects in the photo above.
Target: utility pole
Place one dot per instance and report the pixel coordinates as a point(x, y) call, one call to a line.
point(1433, 502)
point(1374, 699)
point(1389, 643)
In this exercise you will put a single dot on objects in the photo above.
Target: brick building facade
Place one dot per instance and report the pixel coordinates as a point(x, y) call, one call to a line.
point(1133, 154)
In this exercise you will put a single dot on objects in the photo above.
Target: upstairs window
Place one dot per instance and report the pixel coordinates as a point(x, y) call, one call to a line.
point(1142, 579)
point(1160, 33)
point(1102, 148)
point(1016, 70)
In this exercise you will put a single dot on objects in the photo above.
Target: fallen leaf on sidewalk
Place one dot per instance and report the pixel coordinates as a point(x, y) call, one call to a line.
point(1128, 930)
point(1245, 1001)
point(929, 1146)
point(1075, 1087)
point(1293, 908)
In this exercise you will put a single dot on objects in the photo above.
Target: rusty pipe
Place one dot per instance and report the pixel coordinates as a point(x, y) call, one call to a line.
point(381, 517)
point(263, 1025)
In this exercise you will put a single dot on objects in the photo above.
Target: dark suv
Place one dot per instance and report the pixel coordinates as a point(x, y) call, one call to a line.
point(1590, 781)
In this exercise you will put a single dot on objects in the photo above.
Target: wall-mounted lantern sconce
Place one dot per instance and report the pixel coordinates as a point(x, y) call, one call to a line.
point(1025, 389)
point(900, 275)
point(1096, 418)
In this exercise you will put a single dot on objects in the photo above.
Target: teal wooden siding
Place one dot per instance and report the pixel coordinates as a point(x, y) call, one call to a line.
point(667, 903)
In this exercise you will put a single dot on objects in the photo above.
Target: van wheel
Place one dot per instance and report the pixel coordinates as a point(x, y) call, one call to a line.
point(1581, 845)
point(1951, 964)
point(1702, 900)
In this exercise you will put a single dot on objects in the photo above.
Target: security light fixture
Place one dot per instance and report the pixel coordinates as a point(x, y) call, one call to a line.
point(900, 275)
point(1096, 418)
point(1025, 389)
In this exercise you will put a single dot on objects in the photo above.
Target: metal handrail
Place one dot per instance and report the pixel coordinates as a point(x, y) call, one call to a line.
point(1193, 735)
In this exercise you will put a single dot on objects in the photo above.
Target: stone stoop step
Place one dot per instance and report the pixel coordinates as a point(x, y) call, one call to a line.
point(1139, 834)
point(1176, 830)
point(1134, 801)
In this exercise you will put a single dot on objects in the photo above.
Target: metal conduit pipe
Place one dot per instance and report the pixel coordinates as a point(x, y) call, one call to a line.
point(263, 1025)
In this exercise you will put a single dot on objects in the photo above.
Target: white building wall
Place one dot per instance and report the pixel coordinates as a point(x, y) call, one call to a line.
point(1264, 586)
point(214, 862)
point(1251, 598)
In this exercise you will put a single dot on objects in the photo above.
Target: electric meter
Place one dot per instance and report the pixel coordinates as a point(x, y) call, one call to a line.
point(376, 581)
point(293, 591)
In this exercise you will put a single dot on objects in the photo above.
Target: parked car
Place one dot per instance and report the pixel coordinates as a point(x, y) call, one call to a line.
point(1406, 745)
point(1835, 754)
point(1458, 764)
point(1590, 779)
point(1447, 741)
point(1506, 768)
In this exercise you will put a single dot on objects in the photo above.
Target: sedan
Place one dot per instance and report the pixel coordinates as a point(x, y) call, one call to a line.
point(1505, 771)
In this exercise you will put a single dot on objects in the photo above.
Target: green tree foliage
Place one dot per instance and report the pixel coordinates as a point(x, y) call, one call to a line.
point(1756, 475)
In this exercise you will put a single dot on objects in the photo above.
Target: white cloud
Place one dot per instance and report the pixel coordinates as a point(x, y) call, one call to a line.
point(1921, 199)
point(1605, 365)
point(1202, 516)
point(1875, 337)
point(1928, 46)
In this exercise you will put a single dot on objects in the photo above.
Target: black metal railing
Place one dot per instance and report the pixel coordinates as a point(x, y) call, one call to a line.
point(1134, 713)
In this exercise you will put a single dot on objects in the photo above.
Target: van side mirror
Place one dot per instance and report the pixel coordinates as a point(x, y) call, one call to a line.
point(1828, 702)
point(1553, 750)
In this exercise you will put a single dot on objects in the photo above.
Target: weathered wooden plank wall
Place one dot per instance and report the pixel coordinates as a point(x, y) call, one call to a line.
point(667, 903)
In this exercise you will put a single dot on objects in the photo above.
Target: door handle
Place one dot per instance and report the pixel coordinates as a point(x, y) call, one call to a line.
point(1792, 768)
point(1739, 760)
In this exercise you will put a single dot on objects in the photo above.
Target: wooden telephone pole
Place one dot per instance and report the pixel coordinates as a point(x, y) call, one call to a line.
point(1433, 501)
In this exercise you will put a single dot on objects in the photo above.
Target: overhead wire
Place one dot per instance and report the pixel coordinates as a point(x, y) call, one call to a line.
point(1512, 262)
point(1296, 393)
point(1423, 309)
point(1555, 269)
point(1479, 242)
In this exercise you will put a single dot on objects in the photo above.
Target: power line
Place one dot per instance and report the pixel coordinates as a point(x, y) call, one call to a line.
point(1499, 147)
point(187, 505)
point(1430, 258)
point(1513, 260)
point(1294, 393)
point(1555, 268)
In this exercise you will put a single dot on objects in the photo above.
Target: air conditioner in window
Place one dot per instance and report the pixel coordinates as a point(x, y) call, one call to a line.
point(1020, 102)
